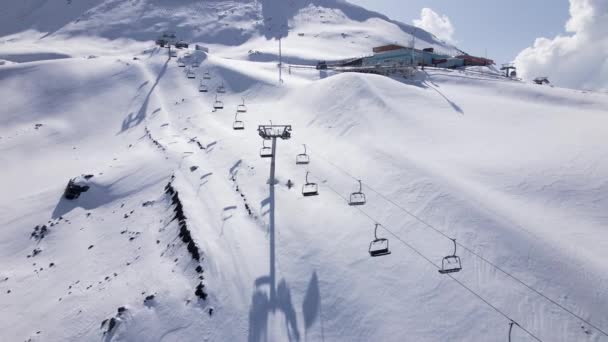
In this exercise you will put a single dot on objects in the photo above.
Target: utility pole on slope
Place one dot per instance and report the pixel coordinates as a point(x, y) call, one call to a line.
point(413, 44)
point(280, 63)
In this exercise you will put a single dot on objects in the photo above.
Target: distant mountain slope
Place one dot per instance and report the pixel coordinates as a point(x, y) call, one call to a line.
point(223, 22)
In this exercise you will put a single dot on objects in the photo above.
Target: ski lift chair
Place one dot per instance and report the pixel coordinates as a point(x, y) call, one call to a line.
point(191, 74)
point(202, 88)
point(238, 124)
point(206, 75)
point(221, 89)
point(357, 197)
point(218, 104)
point(181, 64)
point(310, 189)
point(265, 152)
point(241, 108)
point(302, 158)
point(451, 263)
point(378, 246)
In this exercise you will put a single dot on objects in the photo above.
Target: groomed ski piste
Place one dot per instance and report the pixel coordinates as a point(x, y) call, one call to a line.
point(515, 172)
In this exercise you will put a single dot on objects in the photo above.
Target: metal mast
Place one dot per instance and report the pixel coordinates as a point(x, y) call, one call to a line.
point(272, 132)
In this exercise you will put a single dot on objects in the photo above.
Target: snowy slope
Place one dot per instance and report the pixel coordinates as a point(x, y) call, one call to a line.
point(513, 171)
point(305, 25)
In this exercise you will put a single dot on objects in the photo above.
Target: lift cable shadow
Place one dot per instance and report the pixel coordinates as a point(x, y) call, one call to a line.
point(131, 121)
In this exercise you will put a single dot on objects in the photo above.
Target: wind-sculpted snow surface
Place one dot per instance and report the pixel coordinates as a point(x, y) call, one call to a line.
point(514, 172)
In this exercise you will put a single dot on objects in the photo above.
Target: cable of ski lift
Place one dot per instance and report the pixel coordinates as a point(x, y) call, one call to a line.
point(471, 251)
point(419, 253)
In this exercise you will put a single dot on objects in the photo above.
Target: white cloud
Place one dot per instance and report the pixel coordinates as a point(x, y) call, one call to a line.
point(439, 25)
point(578, 59)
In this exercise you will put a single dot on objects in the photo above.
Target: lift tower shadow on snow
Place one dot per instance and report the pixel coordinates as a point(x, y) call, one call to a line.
point(279, 297)
point(272, 132)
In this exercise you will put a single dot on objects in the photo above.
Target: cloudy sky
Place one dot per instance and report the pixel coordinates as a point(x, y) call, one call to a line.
point(566, 40)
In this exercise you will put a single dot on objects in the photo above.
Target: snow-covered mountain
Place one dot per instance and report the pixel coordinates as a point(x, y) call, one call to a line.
point(172, 240)
point(345, 30)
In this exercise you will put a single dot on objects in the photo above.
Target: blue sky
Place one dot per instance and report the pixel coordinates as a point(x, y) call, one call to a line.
point(503, 27)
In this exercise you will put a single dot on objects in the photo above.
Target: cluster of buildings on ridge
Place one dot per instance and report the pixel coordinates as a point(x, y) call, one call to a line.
point(394, 55)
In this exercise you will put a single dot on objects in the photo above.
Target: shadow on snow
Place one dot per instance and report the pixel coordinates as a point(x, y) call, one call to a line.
point(131, 121)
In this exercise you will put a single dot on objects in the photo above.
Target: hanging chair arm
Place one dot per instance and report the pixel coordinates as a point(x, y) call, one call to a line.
point(376, 231)
point(511, 324)
point(454, 241)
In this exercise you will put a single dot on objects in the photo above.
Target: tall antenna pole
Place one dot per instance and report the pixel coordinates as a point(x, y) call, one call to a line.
point(414, 38)
point(413, 43)
point(280, 62)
